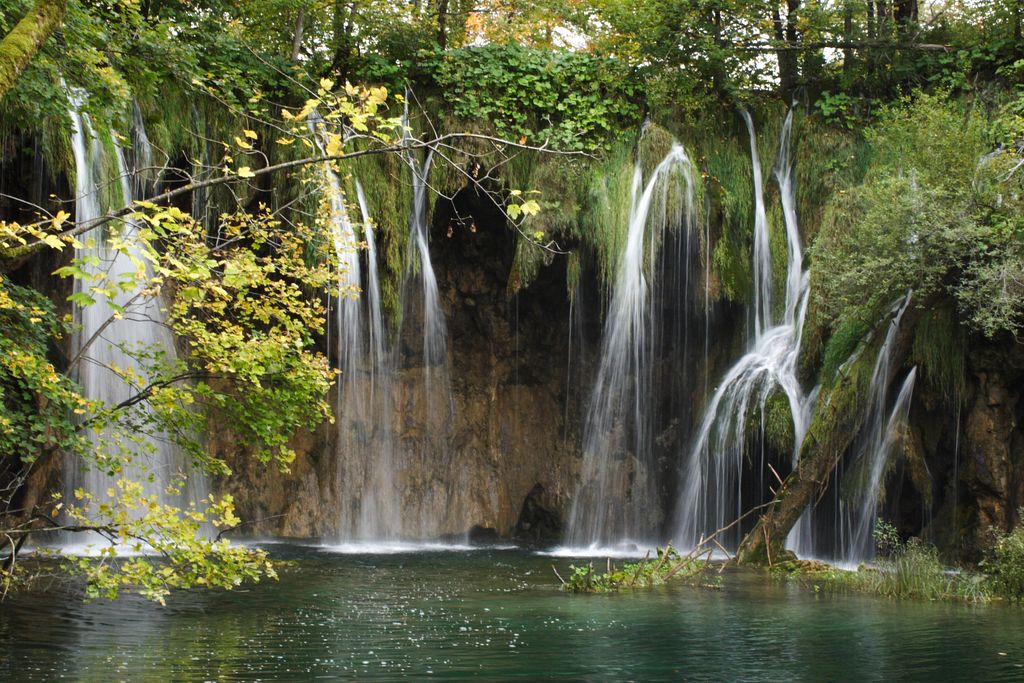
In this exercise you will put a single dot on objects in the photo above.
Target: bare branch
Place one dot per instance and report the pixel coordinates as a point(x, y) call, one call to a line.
point(229, 179)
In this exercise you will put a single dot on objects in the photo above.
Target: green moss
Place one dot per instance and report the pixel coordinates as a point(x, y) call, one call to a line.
point(841, 345)
point(387, 184)
point(170, 120)
point(839, 411)
point(778, 244)
point(827, 160)
point(23, 41)
point(729, 183)
point(653, 146)
point(777, 423)
point(573, 270)
point(604, 215)
point(528, 260)
point(939, 348)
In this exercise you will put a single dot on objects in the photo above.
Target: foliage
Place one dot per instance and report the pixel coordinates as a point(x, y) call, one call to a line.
point(36, 398)
point(243, 300)
point(239, 305)
point(248, 321)
point(935, 214)
point(569, 100)
point(836, 108)
point(647, 573)
point(1005, 565)
point(156, 548)
point(905, 570)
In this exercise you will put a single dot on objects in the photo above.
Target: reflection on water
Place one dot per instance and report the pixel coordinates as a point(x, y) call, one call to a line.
point(498, 615)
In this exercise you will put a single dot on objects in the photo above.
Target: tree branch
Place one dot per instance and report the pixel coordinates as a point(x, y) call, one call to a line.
point(844, 45)
point(20, 45)
point(86, 226)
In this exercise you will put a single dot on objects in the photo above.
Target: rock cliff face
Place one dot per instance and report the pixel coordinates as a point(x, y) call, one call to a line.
point(993, 445)
point(968, 480)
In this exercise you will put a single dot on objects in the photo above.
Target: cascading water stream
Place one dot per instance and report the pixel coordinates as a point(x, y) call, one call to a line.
point(712, 487)
point(368, 498)
point(617, 493)
point(435, 329)
point(376, 327)
point(858, 515)
point(431, 504)
point(380, 514)
point(108, 347)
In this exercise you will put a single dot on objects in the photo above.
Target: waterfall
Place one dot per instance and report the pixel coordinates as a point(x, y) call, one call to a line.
point(380, 500)
point(435, 330)
point(144, 176)
point(432, 504)
point(381, 447)
point(108, 345)
point(368, 497)
point(618, 492)
point(763, 284)
point(713, 492)
point(376, 328)
point(857, 515)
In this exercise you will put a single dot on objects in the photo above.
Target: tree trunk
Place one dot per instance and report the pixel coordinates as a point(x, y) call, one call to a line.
point(343, 12)
point(300, 26)
point(21, 44)
point(442, 19)
point(905, 14)
point(838, 418)
point(882, 18)
point(786, 34)
point(717, 76)
point(848, 38)
point(1018, 14)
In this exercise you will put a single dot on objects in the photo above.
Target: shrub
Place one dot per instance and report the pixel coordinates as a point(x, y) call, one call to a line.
point(646, 573)
point(905, 569)
point(1005, 566)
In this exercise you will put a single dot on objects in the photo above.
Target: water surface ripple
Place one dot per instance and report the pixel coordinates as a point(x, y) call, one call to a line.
point(497, 615)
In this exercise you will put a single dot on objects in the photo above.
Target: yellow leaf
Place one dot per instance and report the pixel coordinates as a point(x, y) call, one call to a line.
point(53, 242)
point(334, 145)
point(59, 219)
point(245, 172)
point(531, 208)
point(326, 84)
point(378, 95)
point(251, 134)
point(308, 108)
point(242, 143)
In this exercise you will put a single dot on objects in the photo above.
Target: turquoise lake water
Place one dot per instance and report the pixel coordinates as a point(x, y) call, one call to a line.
point(498, 615)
